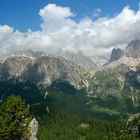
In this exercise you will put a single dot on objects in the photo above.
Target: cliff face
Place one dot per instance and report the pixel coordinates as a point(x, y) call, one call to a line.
point(47, 70)
point(14, 66)
point(44, 70)
point(133, 49)
point(116, 54)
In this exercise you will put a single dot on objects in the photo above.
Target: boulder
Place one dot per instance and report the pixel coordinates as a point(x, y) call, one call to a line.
point(133, 124)
point(33, 127)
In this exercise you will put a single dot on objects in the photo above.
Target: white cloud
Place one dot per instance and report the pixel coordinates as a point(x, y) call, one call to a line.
point(59, 30)
point(55, 17)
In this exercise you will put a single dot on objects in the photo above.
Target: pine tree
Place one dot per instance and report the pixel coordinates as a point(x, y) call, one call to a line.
point(14, 119)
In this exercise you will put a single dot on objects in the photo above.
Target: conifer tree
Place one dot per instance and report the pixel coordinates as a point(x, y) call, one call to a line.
point(14, 119)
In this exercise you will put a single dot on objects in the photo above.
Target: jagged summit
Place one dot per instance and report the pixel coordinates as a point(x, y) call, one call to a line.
point(77, 58)
point(32, 53)
point(116, 54)
point(133, 49)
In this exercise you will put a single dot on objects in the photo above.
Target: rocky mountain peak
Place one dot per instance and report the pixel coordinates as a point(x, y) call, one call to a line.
point(31, 53)
point(133, 49)
point(77, 58)
point(117, 53)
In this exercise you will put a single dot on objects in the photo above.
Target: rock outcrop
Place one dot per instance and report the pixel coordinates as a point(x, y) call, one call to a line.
point(116, 54)
point(133, 49)
point(33, 127)
point(133, 124)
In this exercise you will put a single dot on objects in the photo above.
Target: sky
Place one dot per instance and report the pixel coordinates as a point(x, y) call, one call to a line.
point(92, 26)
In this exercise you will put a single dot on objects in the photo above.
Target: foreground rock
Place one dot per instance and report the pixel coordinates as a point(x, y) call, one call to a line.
point(33, 127)
point(133, 125)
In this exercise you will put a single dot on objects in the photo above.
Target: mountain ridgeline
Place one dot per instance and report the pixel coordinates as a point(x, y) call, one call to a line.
point(103, 91)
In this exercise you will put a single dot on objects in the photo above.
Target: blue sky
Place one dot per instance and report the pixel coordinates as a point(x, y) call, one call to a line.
point(94, 27)
point(23, 14)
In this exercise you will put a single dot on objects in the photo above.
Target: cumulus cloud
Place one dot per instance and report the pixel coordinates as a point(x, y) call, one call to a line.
point(55, 17)
point(59, 30)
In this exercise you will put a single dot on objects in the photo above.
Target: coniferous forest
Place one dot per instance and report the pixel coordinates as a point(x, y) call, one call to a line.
point(64, 115)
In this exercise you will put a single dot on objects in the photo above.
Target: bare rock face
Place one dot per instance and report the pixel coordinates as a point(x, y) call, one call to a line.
point(133, 124)
point(14, 66)
point(77, 58)
point(42, 71)
point(47, 70)
point(99, 60)
point(133, 49)
point(33, 127)
point(116, 54)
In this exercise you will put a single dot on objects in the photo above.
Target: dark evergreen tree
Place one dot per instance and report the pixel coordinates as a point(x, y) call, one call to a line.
point(14, 119)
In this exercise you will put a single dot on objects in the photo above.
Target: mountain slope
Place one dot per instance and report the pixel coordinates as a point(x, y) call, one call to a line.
point(121, 76)
point(42, 71)
point(77, 58)
point(99, 60)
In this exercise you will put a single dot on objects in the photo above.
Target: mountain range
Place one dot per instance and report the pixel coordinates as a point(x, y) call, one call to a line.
point(75, 68)
point(111, 82)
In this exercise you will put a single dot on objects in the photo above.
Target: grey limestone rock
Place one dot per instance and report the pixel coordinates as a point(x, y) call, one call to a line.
point(133, 49)
point(33, 127)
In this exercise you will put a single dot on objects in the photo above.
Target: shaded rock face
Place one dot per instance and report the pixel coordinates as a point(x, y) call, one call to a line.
point(33, 127)
point(133, 124)
point(116, 54)
point(133, 77)
point(133, 49)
